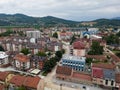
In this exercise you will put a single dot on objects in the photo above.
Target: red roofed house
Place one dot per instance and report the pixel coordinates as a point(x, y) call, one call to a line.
point(31, 83)
point(3, 76)
point(21, 62)
point(63, 72)
point(81, 77)
point(78, 48)
point(2, 87)
point(103, 74)
point(16, 81)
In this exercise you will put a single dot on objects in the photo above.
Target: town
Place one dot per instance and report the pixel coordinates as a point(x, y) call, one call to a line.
point(59, 59)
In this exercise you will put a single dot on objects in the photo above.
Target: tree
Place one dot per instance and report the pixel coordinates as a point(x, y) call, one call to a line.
point(1, 48)
point(55, 35)
point(58, 54)
point(25, 51)
point(72, 39)
point(96, 49)
point(41, 54)
point(89, 60)
point(20, 88)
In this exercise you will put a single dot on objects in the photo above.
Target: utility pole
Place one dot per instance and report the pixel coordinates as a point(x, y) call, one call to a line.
point(60, 86)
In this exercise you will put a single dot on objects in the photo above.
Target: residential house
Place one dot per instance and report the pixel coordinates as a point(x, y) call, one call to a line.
point(3, 59)
point(37, 61)
point(21, 62)
point(103, 74)
point(78, 49)
point(3, 76)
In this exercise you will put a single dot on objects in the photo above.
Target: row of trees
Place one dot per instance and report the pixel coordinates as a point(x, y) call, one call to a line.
point(96, 49)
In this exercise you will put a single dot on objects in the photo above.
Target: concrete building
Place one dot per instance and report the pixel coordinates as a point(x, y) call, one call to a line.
point(33, 34)
point(3, 58)
point(75, 62)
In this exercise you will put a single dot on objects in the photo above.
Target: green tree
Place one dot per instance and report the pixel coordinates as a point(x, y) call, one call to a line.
point(25, 51)
point(96, 49)
point(1, 48)
point(20, 88)
point(55, 35)
point(89, 60)
point(72, 39)
point(58, 54)
point(41, 54)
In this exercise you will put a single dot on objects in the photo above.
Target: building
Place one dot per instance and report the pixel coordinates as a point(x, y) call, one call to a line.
point(33, 34)
point(21, 62)
point(78, 49)
point(3, 59)
point(68, 74)
point(37, 61)
point(103, 74)
point(75, 62)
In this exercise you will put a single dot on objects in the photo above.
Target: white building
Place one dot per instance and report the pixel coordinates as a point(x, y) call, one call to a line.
point(75, 62)
point(33, 34)
point(3, 58)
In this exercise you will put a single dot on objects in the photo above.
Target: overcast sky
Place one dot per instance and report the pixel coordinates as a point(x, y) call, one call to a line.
point(79, 10)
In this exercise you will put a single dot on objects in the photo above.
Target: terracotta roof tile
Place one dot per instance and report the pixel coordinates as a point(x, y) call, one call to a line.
point(99, 57)
point(82, 76)
point(64, 70)
point(22, 58)
point(18, 80)
point(78, 45)
point(31, 82)
point(117, 77)
point(104, 65)
point(2, 87)
point(3, 75)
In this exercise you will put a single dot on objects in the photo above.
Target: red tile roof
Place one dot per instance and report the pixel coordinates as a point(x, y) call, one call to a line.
point(98, 57)
point(2, 87)
point(115, 58)
point(18, 80)
point(78, 45)
point(64, 70)
point(117, 77)
point(82, 76)
point(31, 82)
point(97, 73)
point(104, 65)
point(3, 75)
point(22, 58)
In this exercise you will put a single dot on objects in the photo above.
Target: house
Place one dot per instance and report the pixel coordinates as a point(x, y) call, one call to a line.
point(81, 77)
point(3, 76)
point(2, 87)
point(16, 81)
point(63, 72)
point(68, 74)
point(65, 35)
point(75, 62)
point(37, 61)
point(21, 62)
point(78, 48)
point(31, 83)
point(103, 74)
point(3, 59)
point(117, 79)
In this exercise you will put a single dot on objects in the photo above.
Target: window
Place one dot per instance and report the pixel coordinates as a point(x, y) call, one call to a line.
point(112, 82)
point(106, 82)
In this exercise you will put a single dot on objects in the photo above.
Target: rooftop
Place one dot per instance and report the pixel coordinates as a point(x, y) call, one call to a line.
point(64, 70)
point(18, 80)
point(104, 65)
point(82, 76)
point(3, 75)
point(3, 55)
point(21, 58)
point(31, 82)
point(75, 58)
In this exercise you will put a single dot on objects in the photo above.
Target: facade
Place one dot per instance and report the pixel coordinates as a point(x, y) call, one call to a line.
point(78, 49)
point(3, 59)
point(37, 61)
point(75, 62)
point(21, 62)
point(103, 74)
point(33, 34)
